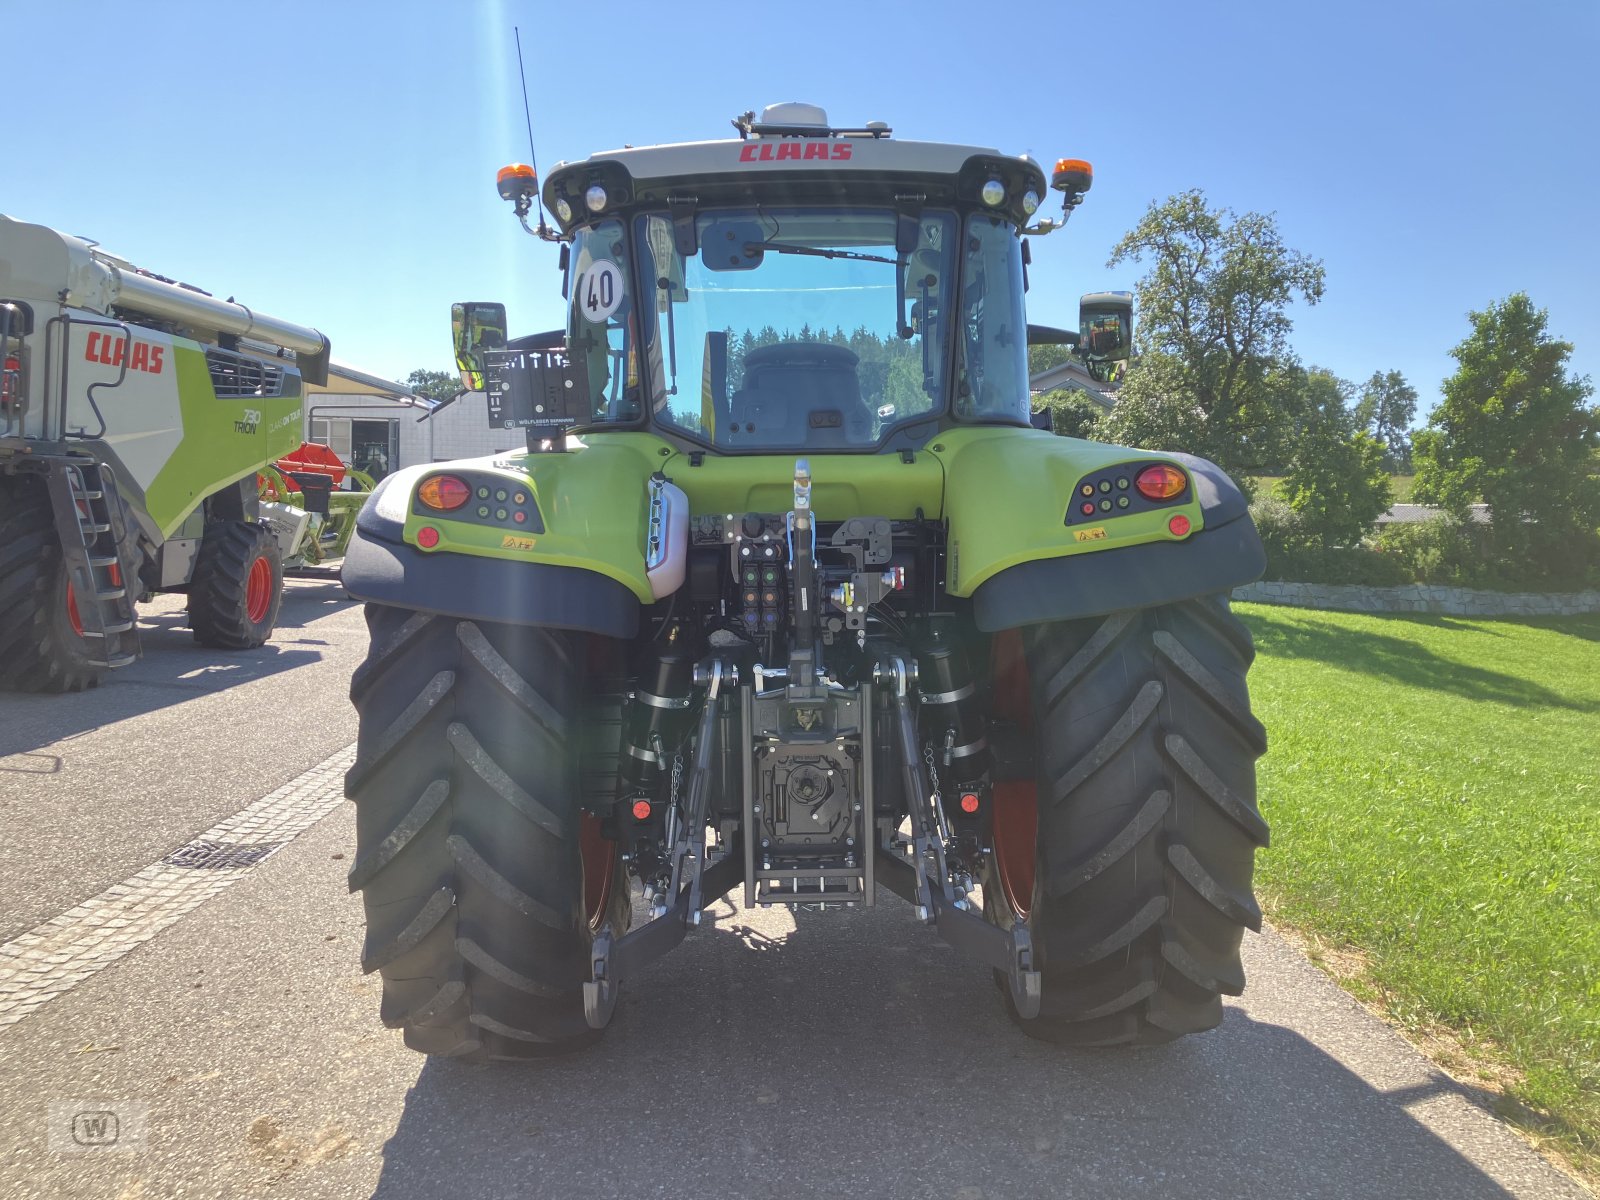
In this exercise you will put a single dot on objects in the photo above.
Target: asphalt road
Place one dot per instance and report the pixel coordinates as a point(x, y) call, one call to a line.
point(772, 1055)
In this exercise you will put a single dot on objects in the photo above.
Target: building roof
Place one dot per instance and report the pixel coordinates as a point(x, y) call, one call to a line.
point(1070, 374)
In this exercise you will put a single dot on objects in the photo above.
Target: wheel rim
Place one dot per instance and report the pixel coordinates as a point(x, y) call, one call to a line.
point(258, 590)
point(1015, 830)
point(73, 618)
point(599, 870)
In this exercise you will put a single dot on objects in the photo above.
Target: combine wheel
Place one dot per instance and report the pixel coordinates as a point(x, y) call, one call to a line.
point(41, 643)
point(1130, 856)
point(483, 879)
point(237, 586)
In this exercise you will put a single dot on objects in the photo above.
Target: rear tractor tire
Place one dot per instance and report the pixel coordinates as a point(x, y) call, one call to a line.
point(41, 640)
point(483, 879)
point(237, 586)
point(1129, 858)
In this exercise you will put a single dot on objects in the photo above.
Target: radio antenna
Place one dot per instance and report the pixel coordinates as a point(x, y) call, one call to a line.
point(527, 113)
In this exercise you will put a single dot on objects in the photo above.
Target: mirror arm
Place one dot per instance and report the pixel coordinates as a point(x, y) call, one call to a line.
point(681, 210)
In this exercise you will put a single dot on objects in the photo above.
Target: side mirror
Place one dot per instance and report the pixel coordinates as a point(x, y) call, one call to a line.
point(476, 326)
point(1105, 327)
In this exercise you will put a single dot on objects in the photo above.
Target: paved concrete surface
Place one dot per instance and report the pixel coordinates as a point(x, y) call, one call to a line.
point(806, 1055)
point(95, 786)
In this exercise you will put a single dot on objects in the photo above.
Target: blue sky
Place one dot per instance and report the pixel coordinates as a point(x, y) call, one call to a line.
point(334, 163)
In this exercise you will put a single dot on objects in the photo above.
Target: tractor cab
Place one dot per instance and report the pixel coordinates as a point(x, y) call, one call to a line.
point(802, 287)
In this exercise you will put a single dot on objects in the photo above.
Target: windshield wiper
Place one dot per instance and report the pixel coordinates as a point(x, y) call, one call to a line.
point(751, 249)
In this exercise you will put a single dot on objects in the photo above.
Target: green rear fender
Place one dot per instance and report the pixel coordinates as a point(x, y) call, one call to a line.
point(1021, 546)
point(1009, 494)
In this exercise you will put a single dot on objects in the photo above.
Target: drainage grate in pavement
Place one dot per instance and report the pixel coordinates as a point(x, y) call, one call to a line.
point(219, 856)
point(53, 958)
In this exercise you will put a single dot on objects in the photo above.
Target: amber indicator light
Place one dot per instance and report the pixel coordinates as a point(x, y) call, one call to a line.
point(444, 492)
point(1161, 482)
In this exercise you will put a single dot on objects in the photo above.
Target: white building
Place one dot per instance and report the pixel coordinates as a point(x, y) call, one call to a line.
point(378, 426)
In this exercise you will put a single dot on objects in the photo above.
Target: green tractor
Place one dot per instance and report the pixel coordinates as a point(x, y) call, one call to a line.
point(787, 598)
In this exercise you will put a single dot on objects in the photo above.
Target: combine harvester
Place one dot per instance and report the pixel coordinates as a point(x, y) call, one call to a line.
point(135, 415)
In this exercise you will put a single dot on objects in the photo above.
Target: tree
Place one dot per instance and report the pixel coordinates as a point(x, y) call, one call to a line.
point(1212, 333)
point(435, 385)
point(1336, 481)
point(1514, 429)
point(1387, 407)
point(1072, 414)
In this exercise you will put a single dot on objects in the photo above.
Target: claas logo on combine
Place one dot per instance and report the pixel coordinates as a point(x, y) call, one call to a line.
point(103, 348)
point(779, 151)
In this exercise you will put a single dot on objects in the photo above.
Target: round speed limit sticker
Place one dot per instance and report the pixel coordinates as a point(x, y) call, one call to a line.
point(600, 291)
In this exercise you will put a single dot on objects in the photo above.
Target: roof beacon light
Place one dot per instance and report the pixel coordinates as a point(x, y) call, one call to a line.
point(516, 181)
point(993, 193)
point(595, 198)
point(1073, 176)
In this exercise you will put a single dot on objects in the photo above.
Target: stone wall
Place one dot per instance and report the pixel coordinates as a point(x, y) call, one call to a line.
point(1421, 598)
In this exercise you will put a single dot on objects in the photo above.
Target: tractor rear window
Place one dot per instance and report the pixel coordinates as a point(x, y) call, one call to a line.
point(797, 328)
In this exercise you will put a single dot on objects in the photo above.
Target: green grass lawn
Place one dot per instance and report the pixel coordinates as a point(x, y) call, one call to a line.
point(1434, 792)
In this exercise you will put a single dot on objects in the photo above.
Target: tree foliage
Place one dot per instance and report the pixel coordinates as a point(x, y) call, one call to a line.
point(1516, 429)
point(1213, 333)
point(1072, 414)
point(435, 385)
point(1386, 409)
point(1337, 480)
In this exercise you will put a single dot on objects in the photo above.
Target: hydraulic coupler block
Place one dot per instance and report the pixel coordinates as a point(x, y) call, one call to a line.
point(951, 716)
point(658, 711)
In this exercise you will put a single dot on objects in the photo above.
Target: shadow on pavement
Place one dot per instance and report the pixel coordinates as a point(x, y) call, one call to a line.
point(173, 668)
point(867, 1059)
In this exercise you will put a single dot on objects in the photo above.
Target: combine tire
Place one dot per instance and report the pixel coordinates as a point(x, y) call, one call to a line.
point(484, 881)
point(41, 643)
point(237, 586)
point(1130, 855)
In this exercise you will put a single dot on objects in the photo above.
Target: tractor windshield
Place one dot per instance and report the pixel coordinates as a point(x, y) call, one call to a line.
point(798, 327)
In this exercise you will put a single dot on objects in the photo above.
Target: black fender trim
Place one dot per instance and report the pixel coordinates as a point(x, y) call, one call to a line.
point(379, 571)
point(1216, 559)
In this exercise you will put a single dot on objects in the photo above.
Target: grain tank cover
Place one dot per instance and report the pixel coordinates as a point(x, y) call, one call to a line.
point(42, 267)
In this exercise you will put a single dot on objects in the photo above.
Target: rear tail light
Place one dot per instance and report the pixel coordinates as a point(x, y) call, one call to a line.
point(10, 380)
point(444, 492)
point(1161, 482)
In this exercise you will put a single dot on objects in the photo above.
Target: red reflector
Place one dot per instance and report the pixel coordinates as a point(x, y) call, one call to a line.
point(427, 537)
point(444, 492)
point(1178, 526)
point(969, 802)
point(641, 810)
point(1161, 482)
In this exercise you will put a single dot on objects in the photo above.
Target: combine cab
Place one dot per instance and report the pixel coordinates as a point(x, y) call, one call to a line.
point(135, 412)
point(787, 599)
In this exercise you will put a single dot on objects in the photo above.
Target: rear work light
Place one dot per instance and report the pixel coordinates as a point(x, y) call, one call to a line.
point(1161, 482)
point(444, 492)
